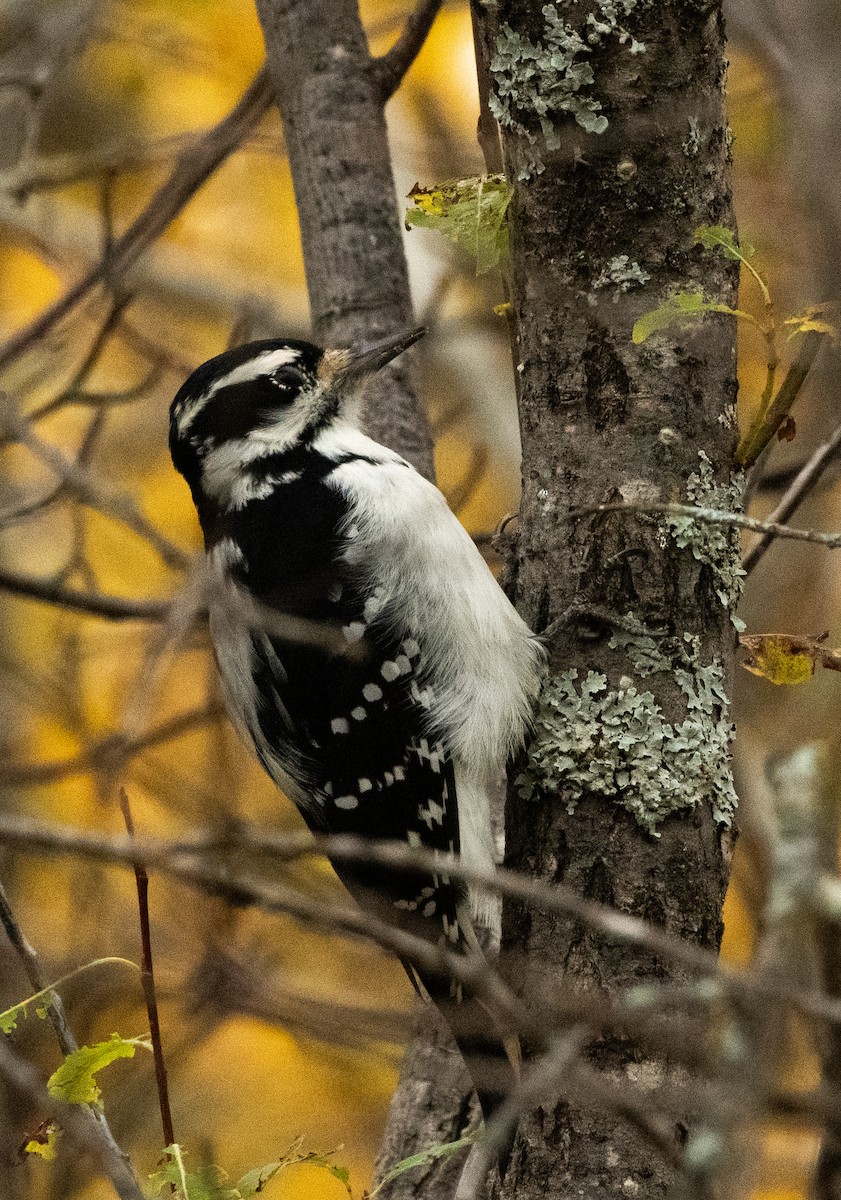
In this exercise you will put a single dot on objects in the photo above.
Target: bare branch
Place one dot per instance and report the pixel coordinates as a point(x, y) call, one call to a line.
point(96, 1128)
point(90, 490)
point(62, 170)
point(102, 755)
point(714, 516)
point(188, 859)
point(194, 166)
point(114, 608)
point(147, 978)
point(391, 67)
point(768, 420)
point(797, 491)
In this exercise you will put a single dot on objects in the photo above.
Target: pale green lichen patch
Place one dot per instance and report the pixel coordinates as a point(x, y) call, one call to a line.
point(717, 546)
point(622, 274)
point(592, 739)
point(535, 83)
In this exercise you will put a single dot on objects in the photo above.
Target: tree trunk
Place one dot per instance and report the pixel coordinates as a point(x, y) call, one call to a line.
point(626, 793)
point(332, 104)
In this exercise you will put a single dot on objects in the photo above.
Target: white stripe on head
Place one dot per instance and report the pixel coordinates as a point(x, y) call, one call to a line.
point(261, 364)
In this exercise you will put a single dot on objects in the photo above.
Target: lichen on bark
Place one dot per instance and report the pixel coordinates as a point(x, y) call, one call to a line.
point(717, 546)
point(616, 742)
point(539, 82)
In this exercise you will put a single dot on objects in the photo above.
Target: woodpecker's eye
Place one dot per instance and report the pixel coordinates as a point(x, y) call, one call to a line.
point(287, 382)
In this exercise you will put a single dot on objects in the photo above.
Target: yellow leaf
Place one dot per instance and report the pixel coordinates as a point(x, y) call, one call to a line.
point(818, 319)
point(45, 1144)
point(780, 658)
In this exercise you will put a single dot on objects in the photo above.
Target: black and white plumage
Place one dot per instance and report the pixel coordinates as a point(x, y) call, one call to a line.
point(396, 679)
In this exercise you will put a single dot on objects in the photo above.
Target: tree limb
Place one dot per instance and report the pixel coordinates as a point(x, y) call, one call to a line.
point(392, 66)
point(194, 166)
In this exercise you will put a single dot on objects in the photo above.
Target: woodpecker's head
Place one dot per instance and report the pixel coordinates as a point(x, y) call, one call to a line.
point(266, 397)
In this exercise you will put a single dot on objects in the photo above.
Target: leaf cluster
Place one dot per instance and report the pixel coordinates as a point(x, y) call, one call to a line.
point(471, 213)
point(210, 1182)
point(772, 415)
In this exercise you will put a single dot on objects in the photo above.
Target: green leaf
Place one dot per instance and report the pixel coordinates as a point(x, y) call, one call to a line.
point(11, 1016)
point(9, 1019)
point(680, 306)
point(209, 1183)
point(470, 212)
point(212, 1183)
point(253, 1182)
point(74, 1082)
point(717, 236)
point(424, 1157)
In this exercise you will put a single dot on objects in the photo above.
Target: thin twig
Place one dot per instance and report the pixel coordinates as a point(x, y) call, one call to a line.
point(186, 859)
point(541, 1083)
point(102, 755)
point(114, 608)
point(769, 419)
point(90, 489)
point(77, 1121)
point(392, 66)
point(715, 516)
point(117, 1161)
point(195, 165)
point(147, 977)
point(61, 170)
point(797, 491)
point(89, 362)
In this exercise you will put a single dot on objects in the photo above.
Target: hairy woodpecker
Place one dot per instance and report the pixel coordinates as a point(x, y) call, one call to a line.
point(394, 678)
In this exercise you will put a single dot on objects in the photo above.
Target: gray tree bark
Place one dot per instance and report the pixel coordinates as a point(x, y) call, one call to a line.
point(332, 103)
point(602, 233)
point(631, 810)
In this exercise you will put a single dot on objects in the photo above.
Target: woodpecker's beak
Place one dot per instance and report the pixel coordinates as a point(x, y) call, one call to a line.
point(372, 358)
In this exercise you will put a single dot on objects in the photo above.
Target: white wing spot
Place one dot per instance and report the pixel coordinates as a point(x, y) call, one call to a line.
point(399, 773)
point(372, 692)
point(354, 632)
point(403, 665)
point(389, 778)
point(389, 671)
point(429, 908)
point(365, 785)
point(358, 713)
point(340, 725)
point(328, 788)
point(372, 605)
point(346, 802)
point(410, 647)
